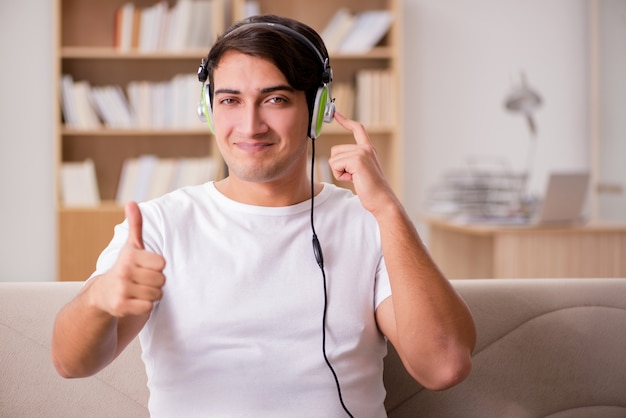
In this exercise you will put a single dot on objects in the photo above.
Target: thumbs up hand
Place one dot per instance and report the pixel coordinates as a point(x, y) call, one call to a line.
point(136, 280)
point(135, 225)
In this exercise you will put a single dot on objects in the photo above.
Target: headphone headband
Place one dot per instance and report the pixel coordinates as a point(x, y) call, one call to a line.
point(327, 74)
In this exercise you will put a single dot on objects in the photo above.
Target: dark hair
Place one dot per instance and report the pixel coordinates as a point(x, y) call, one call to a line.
point(300, 65)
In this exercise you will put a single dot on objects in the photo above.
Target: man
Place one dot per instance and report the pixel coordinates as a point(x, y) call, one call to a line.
point(236, 313)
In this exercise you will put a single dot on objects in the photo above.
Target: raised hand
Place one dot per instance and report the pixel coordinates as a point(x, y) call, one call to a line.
point(359, 164)
point(136, 280)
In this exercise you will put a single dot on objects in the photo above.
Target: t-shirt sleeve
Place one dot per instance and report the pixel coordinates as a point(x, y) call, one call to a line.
point(109, 255)
point(382, 288)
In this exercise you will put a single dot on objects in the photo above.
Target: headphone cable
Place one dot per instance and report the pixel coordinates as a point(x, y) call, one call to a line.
point(317, 250)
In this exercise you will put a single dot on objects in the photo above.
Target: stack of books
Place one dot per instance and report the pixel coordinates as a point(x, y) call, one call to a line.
point(148, 176)
point(146, 105)
point(188, 24)
point(142, 178)
point(375, 98)
point(348, 33)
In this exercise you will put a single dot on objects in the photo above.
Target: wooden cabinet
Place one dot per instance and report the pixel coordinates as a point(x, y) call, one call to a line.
point(85, 51)
point(484, 251)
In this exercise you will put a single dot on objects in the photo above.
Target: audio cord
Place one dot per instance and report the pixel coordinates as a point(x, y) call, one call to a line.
point(317, 250)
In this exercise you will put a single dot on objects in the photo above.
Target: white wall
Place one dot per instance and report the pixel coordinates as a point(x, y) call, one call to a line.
point(27, 228)
point(459, 61)
point(461, 58)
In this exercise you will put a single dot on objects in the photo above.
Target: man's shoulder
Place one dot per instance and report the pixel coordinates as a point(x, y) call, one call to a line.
point(343, 200)
point(339, 193)
point(332, 191)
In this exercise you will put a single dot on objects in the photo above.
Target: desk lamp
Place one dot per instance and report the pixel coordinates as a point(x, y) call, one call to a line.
point(522, 99)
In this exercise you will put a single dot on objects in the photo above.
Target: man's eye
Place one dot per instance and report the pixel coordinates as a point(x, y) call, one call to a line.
point(277, 100)
point(227, 100)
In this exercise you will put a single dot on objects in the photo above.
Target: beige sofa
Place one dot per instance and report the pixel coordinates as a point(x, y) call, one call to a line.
point(546, 348)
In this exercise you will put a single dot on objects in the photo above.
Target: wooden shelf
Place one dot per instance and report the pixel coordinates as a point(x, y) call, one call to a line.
point(107, 52)
point(91, 52)
point(106, 206)
point(201, 131)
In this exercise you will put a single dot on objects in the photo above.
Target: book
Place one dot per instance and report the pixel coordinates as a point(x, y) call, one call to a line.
point(184, 100)
point(136, 179)
point(124, 27)
point(364, 97)
point(375, 101)
point(202, 25)
point(166, 104)
point(343, 94)
point(151, 24)
point(147, 165)
point(124, 116)
point(79, 186)
point(112, 106)
point(136, 29)
point(86, 116)
point(178, 27)
point(187, 24)
point(251, 8)
point(368, 30)
point(337, 28)
point(162, 181)
point(128, 178)
point(139, 100)
point(194, 170)
point(148, 176)
point(68, 104)
point(158, 104)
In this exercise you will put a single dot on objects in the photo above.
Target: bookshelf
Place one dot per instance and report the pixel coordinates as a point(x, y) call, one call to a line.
point(89, 49)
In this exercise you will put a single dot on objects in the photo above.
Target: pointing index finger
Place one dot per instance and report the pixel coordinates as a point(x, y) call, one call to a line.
point(357, 129)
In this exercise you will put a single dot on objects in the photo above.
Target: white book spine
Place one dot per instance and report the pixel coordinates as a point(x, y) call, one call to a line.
point(68, 102)
point(79, 185)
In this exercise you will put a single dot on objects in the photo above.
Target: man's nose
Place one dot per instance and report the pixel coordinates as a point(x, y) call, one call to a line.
point(252, 122)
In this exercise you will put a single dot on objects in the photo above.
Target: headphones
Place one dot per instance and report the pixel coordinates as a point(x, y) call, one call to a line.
point(323, 107)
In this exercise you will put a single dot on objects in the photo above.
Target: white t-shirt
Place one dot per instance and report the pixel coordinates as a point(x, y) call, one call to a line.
point(238, 332)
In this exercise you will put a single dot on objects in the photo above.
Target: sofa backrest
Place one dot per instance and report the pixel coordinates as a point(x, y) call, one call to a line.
point(546, 348)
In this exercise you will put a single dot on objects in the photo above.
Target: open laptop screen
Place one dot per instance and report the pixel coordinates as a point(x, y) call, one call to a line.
point(565, 198)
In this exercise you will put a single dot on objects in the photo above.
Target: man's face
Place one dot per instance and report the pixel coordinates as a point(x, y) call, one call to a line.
point(260, 121)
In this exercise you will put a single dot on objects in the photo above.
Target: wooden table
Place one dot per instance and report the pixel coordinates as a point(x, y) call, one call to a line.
point(468, 251)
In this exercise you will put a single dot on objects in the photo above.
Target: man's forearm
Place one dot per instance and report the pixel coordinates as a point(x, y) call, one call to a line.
point(433, 324)
point(84, 338)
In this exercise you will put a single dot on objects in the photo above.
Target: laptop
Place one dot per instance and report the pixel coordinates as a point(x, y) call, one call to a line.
point(564, 200)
